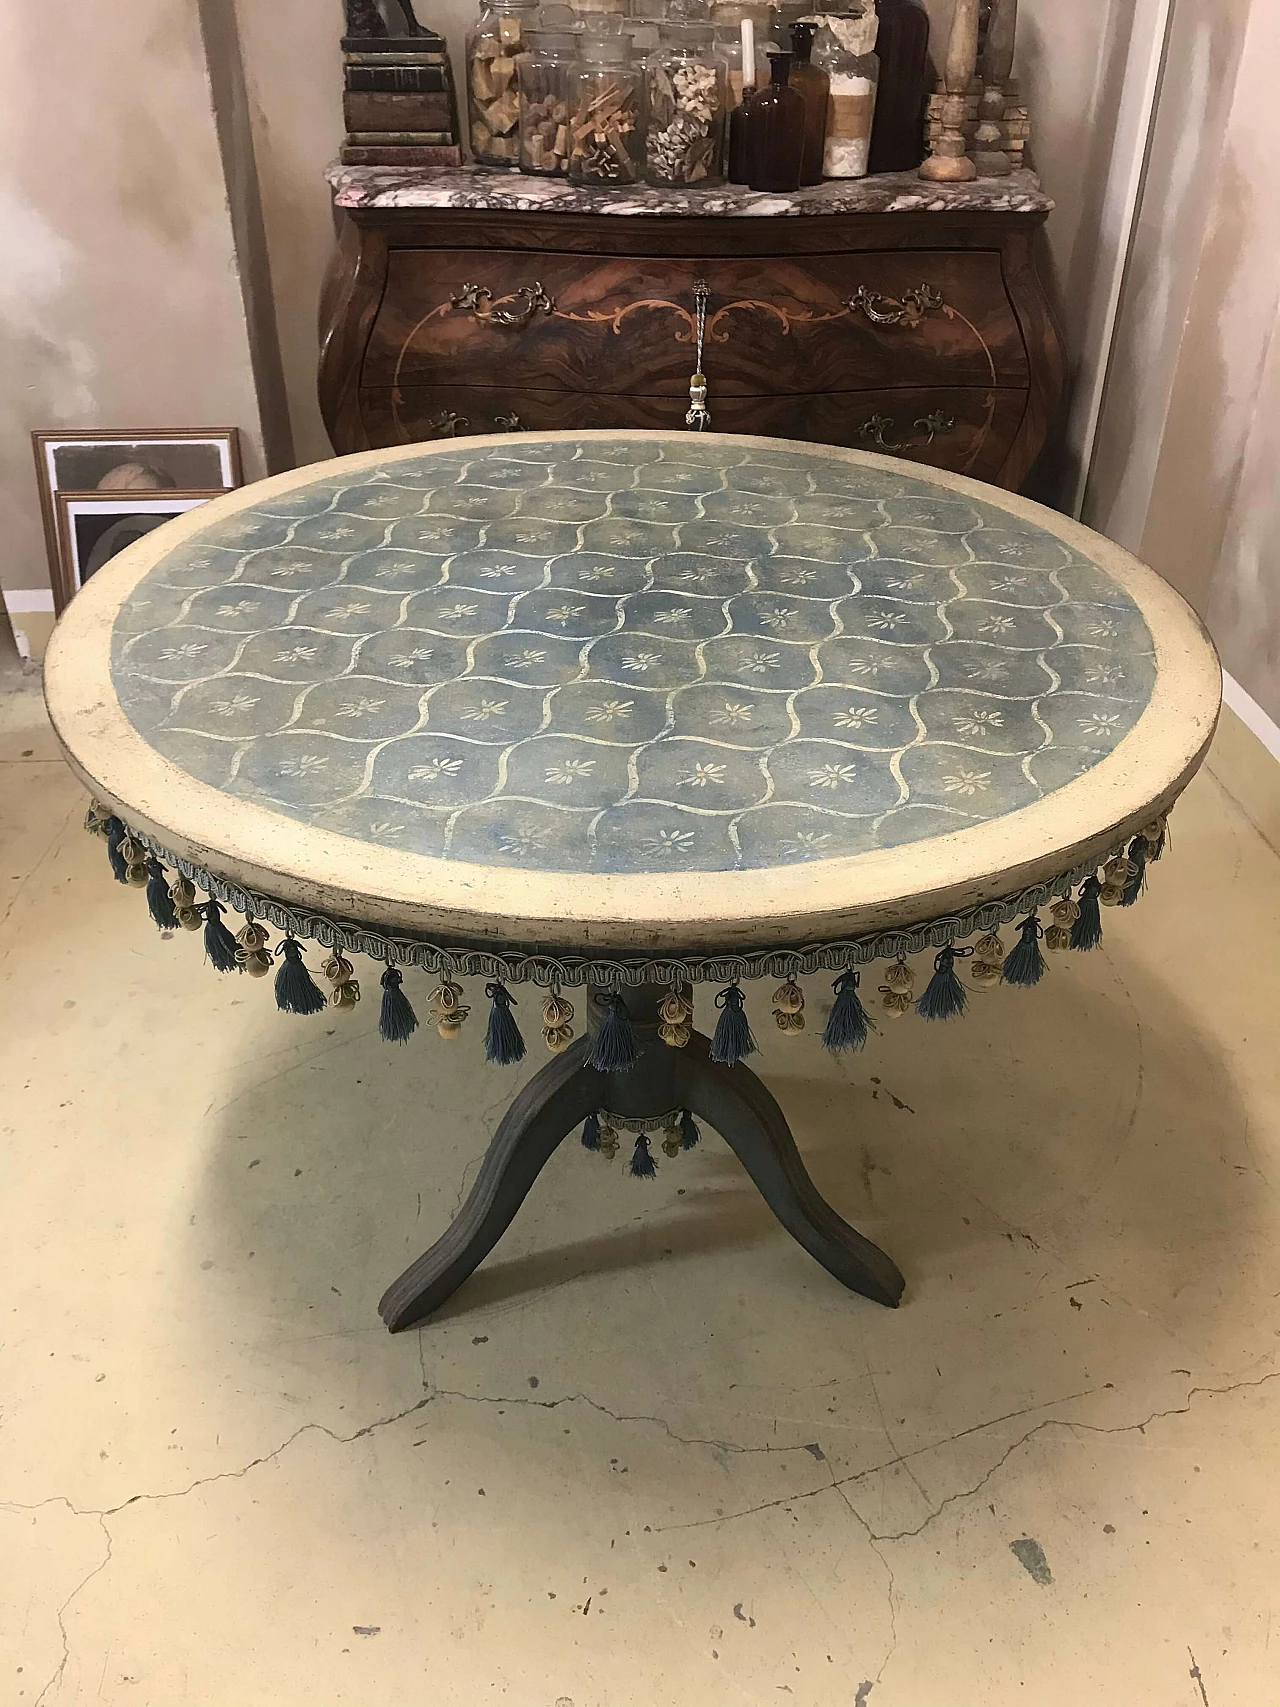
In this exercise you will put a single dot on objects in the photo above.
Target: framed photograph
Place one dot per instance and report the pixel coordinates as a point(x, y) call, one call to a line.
point(93, 527)
point(195, 459)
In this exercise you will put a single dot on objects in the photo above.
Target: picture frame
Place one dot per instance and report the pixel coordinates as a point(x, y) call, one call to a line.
point(93, 527)
point(178, 459)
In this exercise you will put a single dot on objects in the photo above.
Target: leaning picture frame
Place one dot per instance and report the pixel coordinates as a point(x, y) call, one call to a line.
point(178, 459)
point(93, 527)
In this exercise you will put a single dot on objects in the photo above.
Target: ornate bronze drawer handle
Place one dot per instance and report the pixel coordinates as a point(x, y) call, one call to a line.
point(515, 310)
point(879, 426)
point(909, 310)
point(448, 424)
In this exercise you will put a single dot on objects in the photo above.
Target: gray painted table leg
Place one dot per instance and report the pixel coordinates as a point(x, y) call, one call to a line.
point(554, 1101)
point(559, 1098)
point(742, 1110)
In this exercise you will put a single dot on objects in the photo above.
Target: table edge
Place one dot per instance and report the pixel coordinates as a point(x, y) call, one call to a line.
point(819, 900)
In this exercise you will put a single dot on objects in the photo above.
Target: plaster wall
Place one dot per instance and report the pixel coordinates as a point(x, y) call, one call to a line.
point(1190, 430)
point(120, 302)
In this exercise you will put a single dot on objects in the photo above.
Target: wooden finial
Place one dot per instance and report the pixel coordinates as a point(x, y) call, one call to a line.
point(949, 163)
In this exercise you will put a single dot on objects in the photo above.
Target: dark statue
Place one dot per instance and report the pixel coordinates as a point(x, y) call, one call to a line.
point(382, 17)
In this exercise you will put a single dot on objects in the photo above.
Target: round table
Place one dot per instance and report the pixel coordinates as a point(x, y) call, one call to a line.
point(630, 711)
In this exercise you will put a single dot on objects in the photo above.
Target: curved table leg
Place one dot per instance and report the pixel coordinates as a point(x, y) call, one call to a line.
point(735, 1102)
point(553, 1102)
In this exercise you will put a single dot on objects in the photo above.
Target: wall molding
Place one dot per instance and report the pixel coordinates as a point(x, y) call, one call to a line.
point(1245, 760)
point(21, 600)
point(1251, 714)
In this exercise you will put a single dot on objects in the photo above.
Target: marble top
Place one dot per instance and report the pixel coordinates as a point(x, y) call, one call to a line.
point(500, 190)
point(631, 654)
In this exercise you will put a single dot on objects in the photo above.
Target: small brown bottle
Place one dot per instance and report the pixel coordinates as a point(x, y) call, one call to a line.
point(773, 121)
point(814, 87)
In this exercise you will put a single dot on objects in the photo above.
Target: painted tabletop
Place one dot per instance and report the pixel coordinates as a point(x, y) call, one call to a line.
point(634, 657)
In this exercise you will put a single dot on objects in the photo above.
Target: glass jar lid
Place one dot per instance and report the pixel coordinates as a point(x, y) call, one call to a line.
point(552, 44)
point(598, 48)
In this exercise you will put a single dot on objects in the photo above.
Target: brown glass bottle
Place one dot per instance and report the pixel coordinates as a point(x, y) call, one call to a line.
point(902, 46)
point(814, 88)
point(773, 123)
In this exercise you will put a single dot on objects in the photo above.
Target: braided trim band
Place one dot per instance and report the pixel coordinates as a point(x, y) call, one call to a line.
point(612, 971)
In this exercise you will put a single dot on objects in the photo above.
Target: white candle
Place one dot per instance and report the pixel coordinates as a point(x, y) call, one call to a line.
point(748, 54)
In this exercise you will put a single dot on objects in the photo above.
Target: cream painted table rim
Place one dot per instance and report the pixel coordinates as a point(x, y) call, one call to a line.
point(632, 711)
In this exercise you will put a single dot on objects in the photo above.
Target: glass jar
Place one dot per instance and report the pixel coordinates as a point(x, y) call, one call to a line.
point(546, 78)
point(844, 51)
point(494, 43)
point(644, 19)
point(726, 17)
point(606, 128)
point(686, 96)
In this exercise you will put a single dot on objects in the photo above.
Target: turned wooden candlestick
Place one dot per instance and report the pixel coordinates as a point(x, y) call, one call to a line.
point(989, 156)
point(949, 163)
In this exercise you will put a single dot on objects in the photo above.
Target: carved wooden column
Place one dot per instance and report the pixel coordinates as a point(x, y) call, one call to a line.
point(949, 163)
point(989, 157)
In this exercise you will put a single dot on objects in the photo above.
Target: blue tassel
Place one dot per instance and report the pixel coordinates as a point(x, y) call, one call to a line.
point(116, 833)
point(397, 1022)
point(296, 992)
point(159, 901)
point(503, 1042)
point(1026, 965)
point(1086, 933)
point(614, 1050)
point(642, 1165)
point(219, 944)
point(733, 1040)
point(591, 1132)
point(690, 1137)
point(849, 1022)
point(944, 996)
point(1138, 882)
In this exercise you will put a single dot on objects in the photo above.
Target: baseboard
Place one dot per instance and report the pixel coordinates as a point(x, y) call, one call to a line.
point(1245, 758)
point(30, 612)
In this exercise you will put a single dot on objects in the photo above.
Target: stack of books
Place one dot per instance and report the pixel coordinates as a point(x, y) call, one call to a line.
point(399, 100)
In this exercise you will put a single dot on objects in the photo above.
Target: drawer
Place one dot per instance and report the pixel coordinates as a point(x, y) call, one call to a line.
point(963, 429)
point(815, 325)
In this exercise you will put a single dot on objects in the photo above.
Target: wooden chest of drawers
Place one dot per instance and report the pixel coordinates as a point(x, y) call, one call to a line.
point(922, 332)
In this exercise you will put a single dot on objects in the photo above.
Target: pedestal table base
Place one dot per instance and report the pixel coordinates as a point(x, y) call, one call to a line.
point(556, 1101)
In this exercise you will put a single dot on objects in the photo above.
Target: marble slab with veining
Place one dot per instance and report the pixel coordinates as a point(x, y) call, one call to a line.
point(478, 187)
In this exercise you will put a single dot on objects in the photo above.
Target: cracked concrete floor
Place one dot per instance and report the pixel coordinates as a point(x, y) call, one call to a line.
point(651, 1453)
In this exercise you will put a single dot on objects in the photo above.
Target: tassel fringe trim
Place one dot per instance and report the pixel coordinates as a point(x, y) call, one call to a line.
point(1074, 906)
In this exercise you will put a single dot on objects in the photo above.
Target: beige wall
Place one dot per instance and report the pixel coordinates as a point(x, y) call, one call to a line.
point(293, 76)
point(1190, 432)
point(120, 303)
